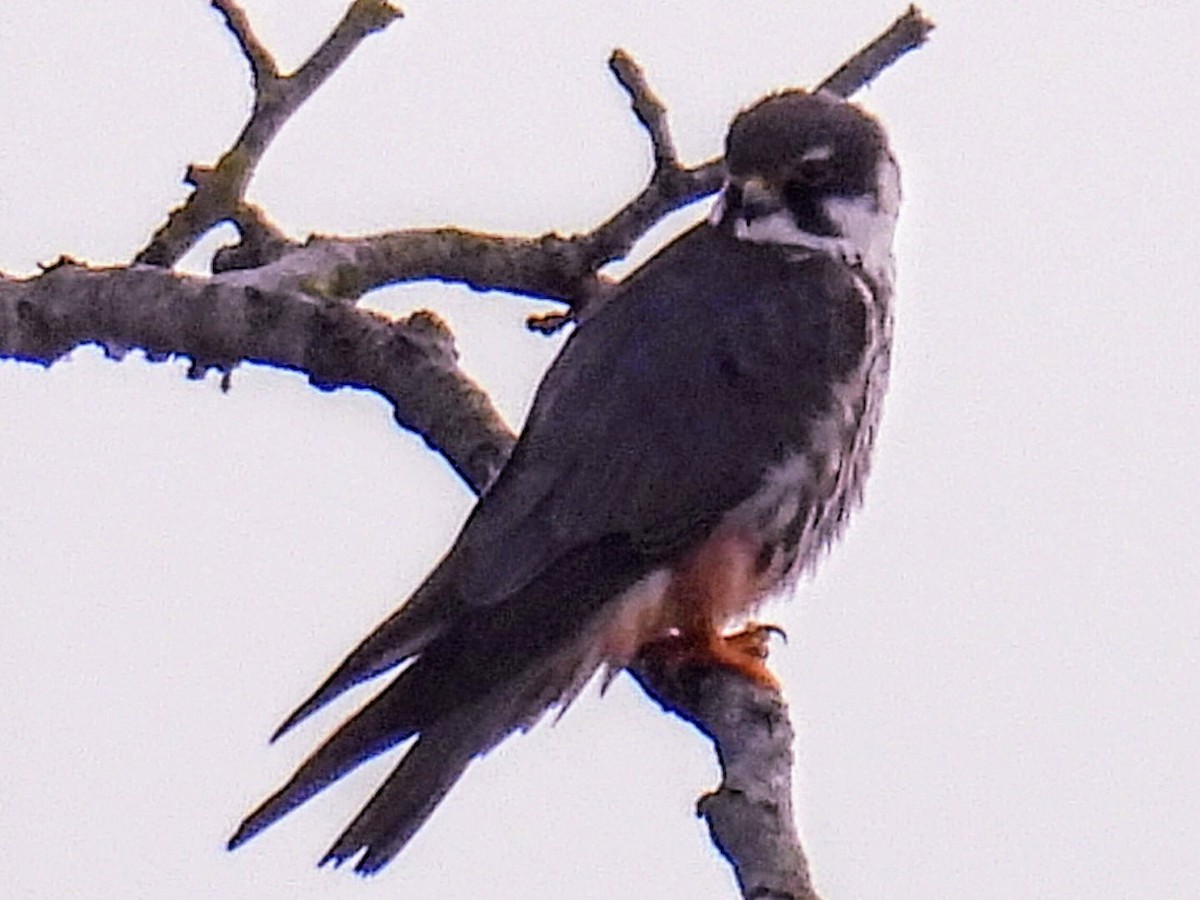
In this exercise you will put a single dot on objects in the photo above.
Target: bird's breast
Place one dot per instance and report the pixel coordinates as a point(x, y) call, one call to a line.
point(801, 505)
point(805, 499)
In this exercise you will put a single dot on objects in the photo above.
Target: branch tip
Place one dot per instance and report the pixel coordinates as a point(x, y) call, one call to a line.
point(648, 109)
point(374, 15)
point(262, 64)
point(218, 192)
point(908, 32)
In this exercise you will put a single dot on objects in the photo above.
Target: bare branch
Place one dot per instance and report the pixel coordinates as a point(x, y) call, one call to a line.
point(669, 190)
point(548, 267)
point(261, 242)
point(749, 817)
point(411, 362)
point(907, 33)
point(364, 17)
point(649, 110)
point(218, 195)
point(262, 63)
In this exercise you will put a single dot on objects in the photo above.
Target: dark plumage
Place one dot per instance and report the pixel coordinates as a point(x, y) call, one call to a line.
point(725, 397)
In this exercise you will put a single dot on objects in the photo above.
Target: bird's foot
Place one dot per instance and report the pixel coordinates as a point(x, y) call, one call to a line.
point(745, 652)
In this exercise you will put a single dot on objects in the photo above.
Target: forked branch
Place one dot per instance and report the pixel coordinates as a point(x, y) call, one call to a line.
point(219, 190)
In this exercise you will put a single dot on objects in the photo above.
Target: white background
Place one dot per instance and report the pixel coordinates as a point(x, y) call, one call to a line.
point(994, 678)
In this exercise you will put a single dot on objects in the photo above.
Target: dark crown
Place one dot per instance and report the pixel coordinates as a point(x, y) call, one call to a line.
point(783, 137)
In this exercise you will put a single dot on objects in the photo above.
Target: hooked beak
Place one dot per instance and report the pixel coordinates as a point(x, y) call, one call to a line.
point(745, 199)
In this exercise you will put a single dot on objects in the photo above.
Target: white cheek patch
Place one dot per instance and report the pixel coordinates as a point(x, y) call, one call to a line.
point(780, 228)
point(866, 224)
point(889, 186)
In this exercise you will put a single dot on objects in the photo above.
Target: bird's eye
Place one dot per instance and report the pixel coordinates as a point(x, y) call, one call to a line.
point(806, 178)
point(812, 172)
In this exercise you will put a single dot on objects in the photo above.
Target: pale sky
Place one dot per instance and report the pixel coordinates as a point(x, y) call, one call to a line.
point(994, 678)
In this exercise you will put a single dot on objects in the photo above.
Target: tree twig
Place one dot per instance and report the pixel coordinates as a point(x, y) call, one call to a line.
point(411, 362)
point(261, 242)
point(549, 267)
point(648, 109)
point(276, 97)
point(262, 64)
point(908, 32)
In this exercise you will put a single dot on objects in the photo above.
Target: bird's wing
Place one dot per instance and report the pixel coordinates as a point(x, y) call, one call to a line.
point(660, 414)
point(663, 412)
point(665, 408)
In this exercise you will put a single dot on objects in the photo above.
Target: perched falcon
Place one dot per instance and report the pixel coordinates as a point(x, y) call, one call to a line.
point(696, 444)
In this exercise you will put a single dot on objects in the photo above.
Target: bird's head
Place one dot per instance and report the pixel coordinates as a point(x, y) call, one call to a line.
point(811, 171)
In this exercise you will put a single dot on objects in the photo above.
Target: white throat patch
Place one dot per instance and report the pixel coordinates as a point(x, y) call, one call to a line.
point(867, 224)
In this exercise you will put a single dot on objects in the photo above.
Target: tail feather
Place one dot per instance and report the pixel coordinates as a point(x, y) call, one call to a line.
point(444, 749)
point(472, 683)
point(378, 726)
point(401, 636)
point(405, 800)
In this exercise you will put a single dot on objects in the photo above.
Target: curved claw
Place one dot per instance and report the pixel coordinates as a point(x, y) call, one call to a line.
point(774, 629)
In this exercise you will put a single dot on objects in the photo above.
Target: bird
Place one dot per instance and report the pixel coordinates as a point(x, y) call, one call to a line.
point(699, 441)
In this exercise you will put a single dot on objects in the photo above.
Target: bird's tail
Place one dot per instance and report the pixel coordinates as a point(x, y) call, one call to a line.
point(410, 794)
point(430, 767)
point(399, 637)
point(484, 678)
